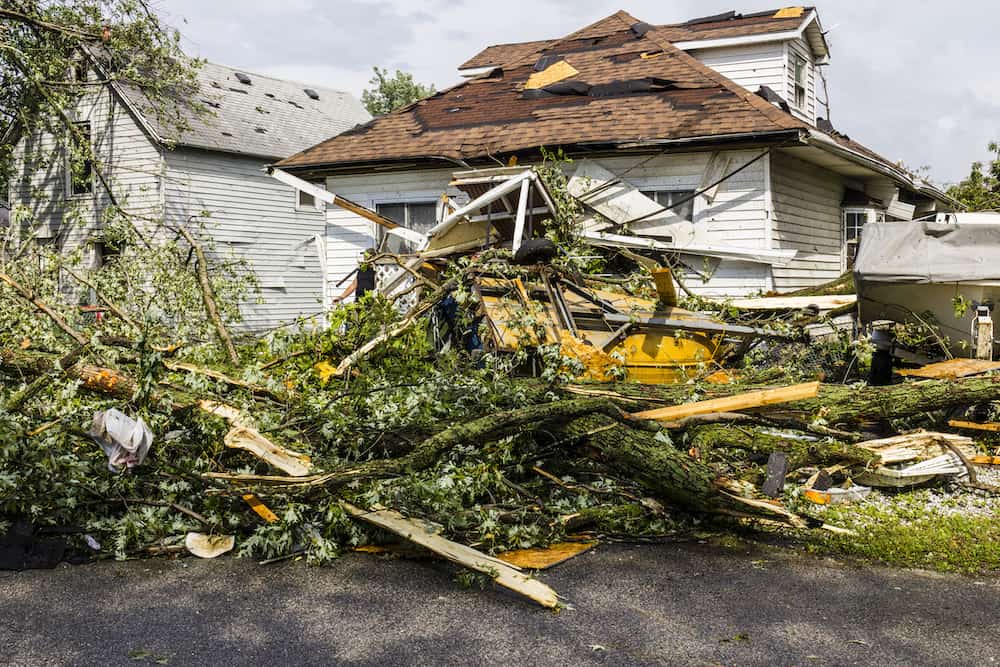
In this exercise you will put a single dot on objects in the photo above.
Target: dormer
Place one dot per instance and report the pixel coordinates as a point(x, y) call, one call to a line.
point(782, 50)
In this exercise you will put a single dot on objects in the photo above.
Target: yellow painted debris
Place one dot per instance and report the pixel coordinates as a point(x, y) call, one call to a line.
point(260, 508)
point(325, 370)
point(600, 366)
point(551, 74)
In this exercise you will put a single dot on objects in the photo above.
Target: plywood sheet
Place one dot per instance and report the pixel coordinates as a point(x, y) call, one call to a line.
point(953, 368)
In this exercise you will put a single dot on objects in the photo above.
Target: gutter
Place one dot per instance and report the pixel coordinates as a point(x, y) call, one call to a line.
point(898, 175)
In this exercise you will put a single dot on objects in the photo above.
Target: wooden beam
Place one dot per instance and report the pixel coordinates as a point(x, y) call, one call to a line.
point(753, 399)
point(419, 533)
point(975, 426)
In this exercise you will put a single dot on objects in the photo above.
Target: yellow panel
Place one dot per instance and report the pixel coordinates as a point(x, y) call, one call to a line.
point(551, 74)
point(789, 13)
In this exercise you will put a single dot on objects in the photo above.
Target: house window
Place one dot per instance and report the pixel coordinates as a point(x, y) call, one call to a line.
point(305, 200)
point(418, 216)
point(854, 220)
point(80, 167)
point(799, 79)
point(671, 198)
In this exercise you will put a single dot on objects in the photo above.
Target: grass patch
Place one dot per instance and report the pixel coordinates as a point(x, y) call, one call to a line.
point(938, 529)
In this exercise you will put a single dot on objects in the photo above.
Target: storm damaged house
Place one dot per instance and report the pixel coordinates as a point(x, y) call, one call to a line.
point(719, 120)
point(208, 169)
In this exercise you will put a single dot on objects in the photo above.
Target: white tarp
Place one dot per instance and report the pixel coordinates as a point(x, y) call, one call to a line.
point(927, 252)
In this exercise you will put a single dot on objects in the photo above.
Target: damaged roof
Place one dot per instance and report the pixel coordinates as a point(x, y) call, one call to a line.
point(721, 26)
point(252, 114)
point(615, 81)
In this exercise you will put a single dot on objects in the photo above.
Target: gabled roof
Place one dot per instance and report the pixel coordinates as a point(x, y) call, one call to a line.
point(627, 83)
point(722, 26)
point(251, 114)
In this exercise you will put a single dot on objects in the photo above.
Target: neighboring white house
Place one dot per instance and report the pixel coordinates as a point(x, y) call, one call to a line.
point(212, 171)
point(668, 109)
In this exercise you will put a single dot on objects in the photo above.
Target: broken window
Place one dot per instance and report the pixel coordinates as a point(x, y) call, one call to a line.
point(80, 162)
point(799, 79)
point(671, 199)
point(418, 216)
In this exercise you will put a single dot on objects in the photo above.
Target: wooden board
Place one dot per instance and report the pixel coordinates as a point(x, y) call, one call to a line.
point(753, 399)
point(953, 368)
point(417, 532)
point(975, 426)
point(831, 302)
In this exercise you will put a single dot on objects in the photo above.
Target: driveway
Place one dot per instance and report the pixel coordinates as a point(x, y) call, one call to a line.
point(665, 604)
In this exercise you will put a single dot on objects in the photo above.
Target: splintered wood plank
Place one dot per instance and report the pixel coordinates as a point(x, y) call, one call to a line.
point(242, 436)
point(953, 368)
point(975, 426)
point(543, 559)
point(419, 533)
point(753, 399)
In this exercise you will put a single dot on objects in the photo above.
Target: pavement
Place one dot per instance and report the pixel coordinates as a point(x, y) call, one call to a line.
point(681, 603)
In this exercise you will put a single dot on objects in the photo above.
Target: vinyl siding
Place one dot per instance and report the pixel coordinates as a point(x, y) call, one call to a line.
point(130, 160)
point(251, 216)
point(800, 48)
point(751, 66)
point(736, 217)
point(807, 218)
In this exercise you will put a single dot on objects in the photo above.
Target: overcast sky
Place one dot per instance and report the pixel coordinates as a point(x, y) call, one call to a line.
point(918, 81)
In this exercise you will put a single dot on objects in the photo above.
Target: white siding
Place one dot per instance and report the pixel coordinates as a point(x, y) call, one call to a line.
point(751, 66)
point(130, 160)
point(807, 218)
point(349, 235)
point(802, 49)
point(737, 216)
point(252, 216)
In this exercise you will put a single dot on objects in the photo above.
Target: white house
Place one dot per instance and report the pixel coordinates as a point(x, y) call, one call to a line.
point(668, 109)
point(212, 171)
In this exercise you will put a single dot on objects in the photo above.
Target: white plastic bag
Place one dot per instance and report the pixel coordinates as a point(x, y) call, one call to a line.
point(126, 441)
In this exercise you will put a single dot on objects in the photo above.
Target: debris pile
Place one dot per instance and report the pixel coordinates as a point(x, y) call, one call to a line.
point(477, 404)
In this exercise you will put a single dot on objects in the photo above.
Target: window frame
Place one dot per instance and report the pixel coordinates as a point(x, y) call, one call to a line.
point(380, 231)
point(684, 192)
point(70, 148)
point(800, 70)
point(315, 206)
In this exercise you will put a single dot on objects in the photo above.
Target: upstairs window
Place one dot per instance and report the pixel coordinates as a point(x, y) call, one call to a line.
point(80, 167)
point(670, 199)
point(799, 80)
point(418, 216)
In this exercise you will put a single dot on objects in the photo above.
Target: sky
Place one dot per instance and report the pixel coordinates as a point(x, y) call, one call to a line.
point(917, 81)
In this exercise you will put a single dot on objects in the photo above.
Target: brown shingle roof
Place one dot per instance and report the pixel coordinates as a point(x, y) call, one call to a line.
point(492, 115)
point(738, 25)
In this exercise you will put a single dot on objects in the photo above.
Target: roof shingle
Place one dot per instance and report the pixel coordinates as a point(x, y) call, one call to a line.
point(642, 88)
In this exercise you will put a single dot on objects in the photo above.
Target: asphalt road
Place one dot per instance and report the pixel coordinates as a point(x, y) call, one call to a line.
point(672, 604)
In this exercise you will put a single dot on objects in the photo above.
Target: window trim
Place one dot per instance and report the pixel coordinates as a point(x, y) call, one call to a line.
point(406, 202)
point(315, 207)
point(89, 193)
point(800, 65)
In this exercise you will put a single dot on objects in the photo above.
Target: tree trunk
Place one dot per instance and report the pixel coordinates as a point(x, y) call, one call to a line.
point(800, 452)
